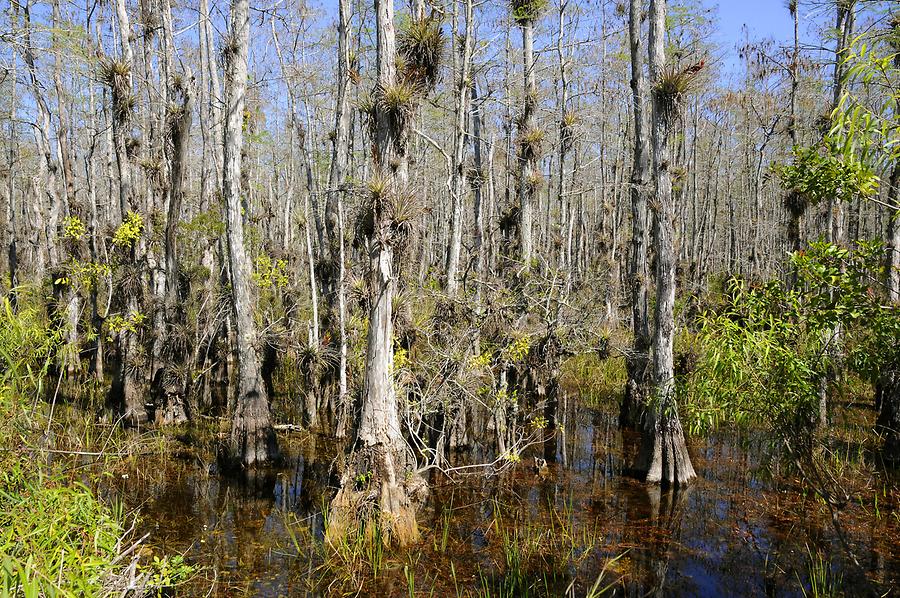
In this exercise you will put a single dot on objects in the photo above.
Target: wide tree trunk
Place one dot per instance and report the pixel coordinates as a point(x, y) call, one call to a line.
point(663, 457)
point(126, 394)
point(171, 382)
point(253, 439)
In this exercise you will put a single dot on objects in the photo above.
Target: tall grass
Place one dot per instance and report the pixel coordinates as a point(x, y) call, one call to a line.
point(56, 537)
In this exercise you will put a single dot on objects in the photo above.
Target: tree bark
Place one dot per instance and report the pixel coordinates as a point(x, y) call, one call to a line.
point(380, 486)
point(888, 423)
point(892, 263)
point(529, 140)
point(462, 80)
point(253, 439)
point(172, 386)
point(638, 270)
point(664, 457)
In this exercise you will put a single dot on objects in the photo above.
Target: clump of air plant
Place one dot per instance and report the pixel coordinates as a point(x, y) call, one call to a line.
point(405, 208)
point(420, 46)
point(367, 108)
point(174, 111)
point(132, 147)
point(150, 21)
point(151, 165)
point(534, 182)
point(314, 358)
point(378, 187)
point(527, 11)
point(531, 141)
point(229, 51)
point(391, 212)
point(375, 196)
point(115, 74)
point(567, 129)
point(398, 101)
point(679, 174)
point(796, 203)
point(673, 83)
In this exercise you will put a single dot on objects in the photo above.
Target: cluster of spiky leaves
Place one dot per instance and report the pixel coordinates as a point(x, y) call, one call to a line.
point(420, 46)
point(114, 74)
point(567, 129)
point(527, 11)
point(535, 181)
point(531, 142)
point(673, 83)
point(397, 207)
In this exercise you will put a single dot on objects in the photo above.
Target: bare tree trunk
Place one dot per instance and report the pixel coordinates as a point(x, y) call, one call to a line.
point(12, 250)
point(97, 356)
point(47, 165)
point(253, 439)
point(795, 208)
point(638, 271)
point(888, 423)
point(462, 75)
point(893, 237)
point(332, 277)
point(530, 137)
point(664, 457)
point(478, 181)
point(846, 21)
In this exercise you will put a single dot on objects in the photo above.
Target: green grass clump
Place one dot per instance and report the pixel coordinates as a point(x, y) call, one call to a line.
point(599, 381)
point(56, 537)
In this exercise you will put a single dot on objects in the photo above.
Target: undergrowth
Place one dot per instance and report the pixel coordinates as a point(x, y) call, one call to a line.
point(56, 537)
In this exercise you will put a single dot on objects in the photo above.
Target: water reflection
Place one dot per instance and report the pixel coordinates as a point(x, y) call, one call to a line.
point(731, 533)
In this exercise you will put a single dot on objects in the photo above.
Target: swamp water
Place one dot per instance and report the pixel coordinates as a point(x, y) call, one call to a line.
point(525, 532)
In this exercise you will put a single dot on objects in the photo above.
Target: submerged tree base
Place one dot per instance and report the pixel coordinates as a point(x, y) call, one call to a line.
point(379, 497)
point(253, 441)
point(664, 458)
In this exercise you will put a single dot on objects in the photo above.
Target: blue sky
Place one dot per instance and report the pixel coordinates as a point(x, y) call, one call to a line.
point(764, 18)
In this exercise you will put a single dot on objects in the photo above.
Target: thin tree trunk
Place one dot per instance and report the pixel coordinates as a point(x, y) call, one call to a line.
point(529, 138)
point(462, 74)
point(478, 182)
point(12, 251)
point(893, 237)
point(638, 271)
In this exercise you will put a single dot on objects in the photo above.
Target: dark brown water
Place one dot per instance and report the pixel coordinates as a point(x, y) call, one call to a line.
point(733, 533)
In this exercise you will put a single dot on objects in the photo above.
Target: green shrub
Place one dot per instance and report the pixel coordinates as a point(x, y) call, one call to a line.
point(56, 537)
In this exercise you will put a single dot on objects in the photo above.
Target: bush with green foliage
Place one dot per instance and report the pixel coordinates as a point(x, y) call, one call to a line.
point(56, 537)
point(764, 354)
